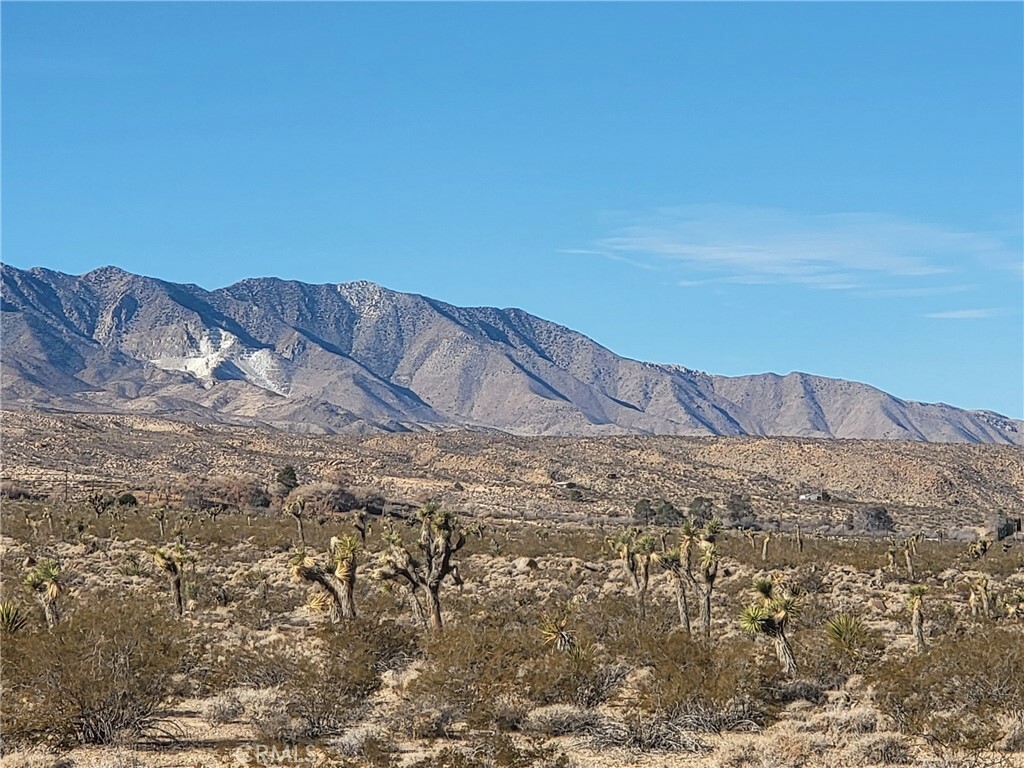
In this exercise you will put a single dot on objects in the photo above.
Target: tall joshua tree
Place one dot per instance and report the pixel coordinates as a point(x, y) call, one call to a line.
point(172, 563)
point(338, 581)
point(699, 543)
point(769, 616)
point(423, 567)
point(636, 551)
point(46, 582)
point(297, 509)
point(914, 602)
point(673, 561)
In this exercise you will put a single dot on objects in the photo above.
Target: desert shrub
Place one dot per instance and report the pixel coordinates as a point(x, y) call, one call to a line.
point(322, 685)
point(324, 497)
point(267, 712)
point(739, 513)
point(853, 720)
point(98, 678)
point(709, 687)
point(368, 741)
point(561, 720)
point(874, 520)
point(13, 491)
point(426, 715)
point(474, 663)
point(495, 750)
point(954, 692)
point(878, 749)
point(644, 734)
point(582, 679)
point(223, 708)
point(127, 499)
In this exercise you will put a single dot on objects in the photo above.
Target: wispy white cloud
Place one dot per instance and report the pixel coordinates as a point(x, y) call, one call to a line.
point(838, 251)
point(963, 314)
point(916, 291)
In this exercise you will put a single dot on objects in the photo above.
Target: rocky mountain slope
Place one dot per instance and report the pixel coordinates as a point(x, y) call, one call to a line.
point(357, 357)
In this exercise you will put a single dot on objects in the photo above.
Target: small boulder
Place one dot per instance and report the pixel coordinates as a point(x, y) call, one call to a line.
point(525, 564)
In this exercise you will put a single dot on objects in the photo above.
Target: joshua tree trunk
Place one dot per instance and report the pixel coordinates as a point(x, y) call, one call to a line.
point(764, 546)
point(705, 611)
point(908, 556)
point(302, 532)
point(683, 604)
point(179, 600)
point(986, 606)
point(785, 653)
point(434, 609)
point(51, 613)
point(417, 608)
point(917, 626)
point(799, 539)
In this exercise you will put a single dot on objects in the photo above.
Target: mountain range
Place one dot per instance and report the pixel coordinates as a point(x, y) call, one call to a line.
point(357, 357)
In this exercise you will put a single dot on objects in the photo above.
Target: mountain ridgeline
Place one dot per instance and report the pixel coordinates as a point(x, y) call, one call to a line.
point(357, 357)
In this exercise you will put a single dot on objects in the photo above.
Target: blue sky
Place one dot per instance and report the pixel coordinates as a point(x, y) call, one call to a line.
point(737, 188)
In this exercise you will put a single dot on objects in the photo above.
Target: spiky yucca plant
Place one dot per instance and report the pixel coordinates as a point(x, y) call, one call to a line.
point(554, 628)
point(46, 582)
point(11, 617)
point(846, 630)
point(770, 616)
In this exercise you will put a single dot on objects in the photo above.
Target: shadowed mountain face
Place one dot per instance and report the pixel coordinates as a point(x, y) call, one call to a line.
point(356, 357)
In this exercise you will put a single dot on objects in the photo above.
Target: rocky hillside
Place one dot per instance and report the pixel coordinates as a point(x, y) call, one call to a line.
point(357, 357)
point(932, 487)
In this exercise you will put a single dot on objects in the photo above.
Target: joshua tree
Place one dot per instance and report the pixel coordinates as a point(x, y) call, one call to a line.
point(769, 616)
point(338, 582)
point(673, 561)
point(440, 538)
point(909, 548)
point(748, 534)
point(890, 556)
point(636, 551)
point(701, 542)
point(799, 539)
point(980, 594)
point(172, 562)
point(917, 592)
point(296, 508)
point(46, 582)
point(764, 546)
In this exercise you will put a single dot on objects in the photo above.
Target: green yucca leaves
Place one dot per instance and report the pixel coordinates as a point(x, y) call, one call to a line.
point(11, 617)
point(846, 630)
